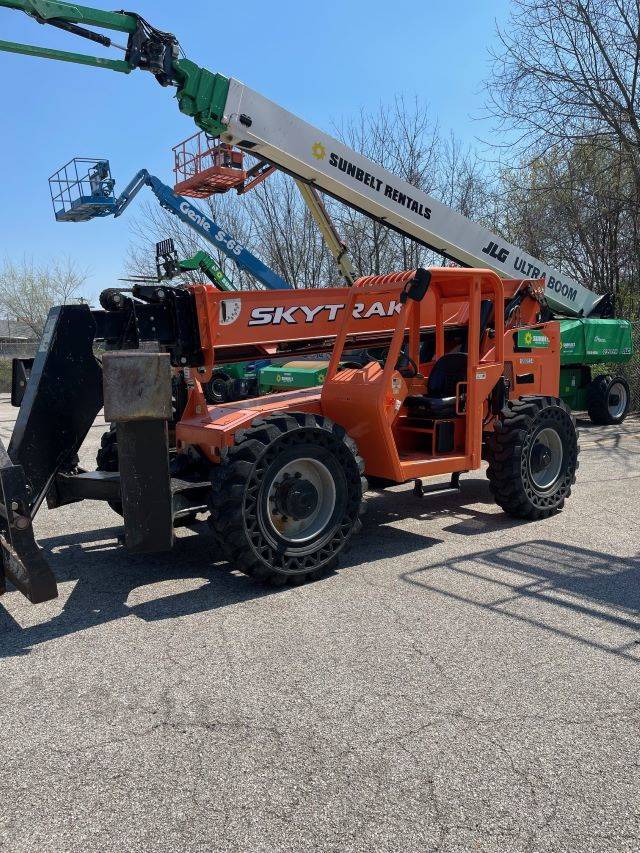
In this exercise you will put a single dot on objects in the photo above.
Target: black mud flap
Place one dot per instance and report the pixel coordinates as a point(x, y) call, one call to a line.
point(22, 561)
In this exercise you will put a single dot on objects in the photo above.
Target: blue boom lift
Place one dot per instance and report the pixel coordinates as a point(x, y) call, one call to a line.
point(83, 189)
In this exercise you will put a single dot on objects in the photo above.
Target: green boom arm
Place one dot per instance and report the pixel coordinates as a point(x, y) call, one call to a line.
point(45, 11)
point(200, 93)
point(205, 263)
point(70, 17)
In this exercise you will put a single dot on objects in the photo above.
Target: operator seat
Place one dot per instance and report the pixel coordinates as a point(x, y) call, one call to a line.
point(449, 369)
point(440, 399)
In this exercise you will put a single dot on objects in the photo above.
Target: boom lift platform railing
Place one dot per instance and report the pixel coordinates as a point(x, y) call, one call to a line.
point(204, 166)
point(82, 189)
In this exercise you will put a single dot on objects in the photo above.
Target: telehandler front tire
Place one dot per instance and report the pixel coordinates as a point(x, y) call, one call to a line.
point(107, 459)
point(218, 389)
point(533, 457)
point(288, 498)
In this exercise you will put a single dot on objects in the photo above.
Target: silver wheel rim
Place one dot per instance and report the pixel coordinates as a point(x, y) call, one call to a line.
point(618, 392)
point(304, 529)
point(547, 441)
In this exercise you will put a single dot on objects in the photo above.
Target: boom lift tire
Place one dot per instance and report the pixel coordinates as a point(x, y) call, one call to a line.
point(288, 497)
point(533, 457)
point(608, 399)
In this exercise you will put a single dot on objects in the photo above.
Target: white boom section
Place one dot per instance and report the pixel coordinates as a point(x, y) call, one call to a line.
point(266, 129)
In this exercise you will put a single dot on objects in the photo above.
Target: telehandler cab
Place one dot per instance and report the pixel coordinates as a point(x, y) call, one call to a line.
point(467, 372)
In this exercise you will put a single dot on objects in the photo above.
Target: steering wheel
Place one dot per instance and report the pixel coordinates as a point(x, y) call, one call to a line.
point(375, 355)
point(412, 370)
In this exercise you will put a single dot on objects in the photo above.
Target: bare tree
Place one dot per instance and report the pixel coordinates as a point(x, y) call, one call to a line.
point(565, 89)
point(573, 210)
point(28, 291)
point(568, 70)
point(290, 242)
point(465, 185)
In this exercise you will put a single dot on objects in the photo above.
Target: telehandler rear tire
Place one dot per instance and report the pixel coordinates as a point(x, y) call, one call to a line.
point(288, 498)
point(533, 457)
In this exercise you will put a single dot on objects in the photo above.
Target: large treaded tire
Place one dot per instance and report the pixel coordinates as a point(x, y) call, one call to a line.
point(598, 399)
point(510, 450)
point(107, 459)
point(239, 501)
point(218, 389)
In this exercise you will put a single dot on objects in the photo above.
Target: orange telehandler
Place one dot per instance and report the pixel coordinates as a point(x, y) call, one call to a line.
point(462, 368)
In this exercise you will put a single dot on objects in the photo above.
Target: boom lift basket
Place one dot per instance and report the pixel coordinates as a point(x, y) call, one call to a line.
point(204, 166)
point(82, 189)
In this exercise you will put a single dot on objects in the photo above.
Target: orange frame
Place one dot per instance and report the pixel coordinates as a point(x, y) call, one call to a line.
point(368, 402)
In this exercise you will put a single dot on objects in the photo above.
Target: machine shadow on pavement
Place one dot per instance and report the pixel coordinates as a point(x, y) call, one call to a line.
point(587, 597)
point(462, 506)
point(107, 576)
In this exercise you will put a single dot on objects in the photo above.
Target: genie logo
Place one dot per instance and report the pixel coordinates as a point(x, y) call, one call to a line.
point(194, 216)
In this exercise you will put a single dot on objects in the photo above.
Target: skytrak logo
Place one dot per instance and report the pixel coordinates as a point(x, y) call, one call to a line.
point(277, 314)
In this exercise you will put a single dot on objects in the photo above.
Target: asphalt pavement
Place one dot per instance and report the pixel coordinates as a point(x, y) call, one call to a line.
point(463, 682)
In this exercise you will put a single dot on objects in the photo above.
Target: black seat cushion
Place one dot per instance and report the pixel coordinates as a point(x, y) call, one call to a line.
point(432, 407)
point(440, 399)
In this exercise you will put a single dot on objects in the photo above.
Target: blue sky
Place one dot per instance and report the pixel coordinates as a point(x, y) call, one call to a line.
point(323, 61)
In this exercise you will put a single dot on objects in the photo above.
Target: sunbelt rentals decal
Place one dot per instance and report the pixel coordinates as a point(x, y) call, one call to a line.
point(370, 179)
point(532, 339)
